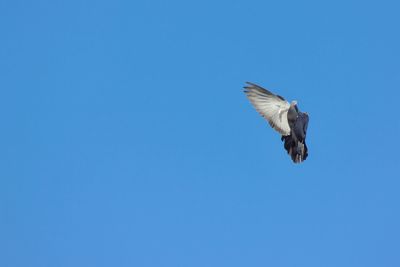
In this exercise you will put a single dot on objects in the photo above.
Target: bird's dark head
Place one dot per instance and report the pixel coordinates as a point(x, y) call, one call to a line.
point(293, 104)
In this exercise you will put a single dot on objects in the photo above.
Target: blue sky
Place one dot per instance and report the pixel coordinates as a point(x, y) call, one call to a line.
point(126, 139)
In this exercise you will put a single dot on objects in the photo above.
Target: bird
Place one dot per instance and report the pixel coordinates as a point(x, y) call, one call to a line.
point(285, 118)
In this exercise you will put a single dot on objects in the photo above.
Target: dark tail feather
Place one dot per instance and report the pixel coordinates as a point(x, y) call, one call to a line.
point(297, 150)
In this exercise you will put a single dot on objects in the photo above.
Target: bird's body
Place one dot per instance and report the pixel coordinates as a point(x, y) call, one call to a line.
point(284, 118)
point(295, 143)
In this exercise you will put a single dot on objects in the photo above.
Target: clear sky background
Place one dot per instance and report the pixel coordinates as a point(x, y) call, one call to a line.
point(126, 138)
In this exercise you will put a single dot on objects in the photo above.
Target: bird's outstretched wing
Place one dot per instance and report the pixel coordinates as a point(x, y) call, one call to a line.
point(272, 107)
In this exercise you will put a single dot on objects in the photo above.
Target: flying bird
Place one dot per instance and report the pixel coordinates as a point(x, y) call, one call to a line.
point(285, 118)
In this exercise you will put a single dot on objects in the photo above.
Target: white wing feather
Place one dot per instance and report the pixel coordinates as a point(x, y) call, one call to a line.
point(272, 107)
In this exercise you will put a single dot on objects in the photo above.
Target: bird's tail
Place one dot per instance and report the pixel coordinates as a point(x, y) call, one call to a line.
point(297, 150)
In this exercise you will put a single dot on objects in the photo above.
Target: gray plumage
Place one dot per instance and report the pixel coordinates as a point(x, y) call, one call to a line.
point(283, 117)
